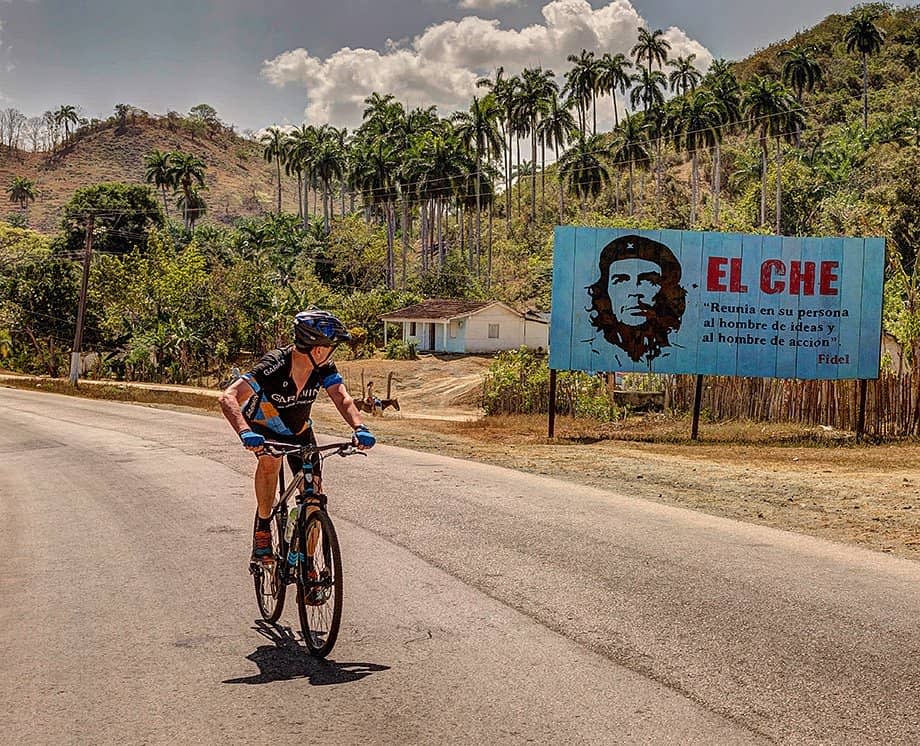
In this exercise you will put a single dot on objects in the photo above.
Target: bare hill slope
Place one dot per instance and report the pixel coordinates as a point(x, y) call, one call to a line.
point(239, 181)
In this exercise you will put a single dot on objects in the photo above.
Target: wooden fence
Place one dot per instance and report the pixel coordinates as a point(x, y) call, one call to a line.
point(892, 401)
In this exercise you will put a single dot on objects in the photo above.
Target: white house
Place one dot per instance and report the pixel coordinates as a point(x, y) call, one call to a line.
point(464, 326)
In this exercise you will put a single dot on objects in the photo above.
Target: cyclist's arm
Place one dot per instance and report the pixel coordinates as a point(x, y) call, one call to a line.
point(345, 404)
point(231, 402)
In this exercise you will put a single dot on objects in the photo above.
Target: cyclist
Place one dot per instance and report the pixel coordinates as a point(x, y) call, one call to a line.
point(273, 401)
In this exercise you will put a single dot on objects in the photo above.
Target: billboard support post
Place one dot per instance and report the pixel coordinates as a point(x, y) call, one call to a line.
point(551, 426)
point(861, 409)
point(697, 400)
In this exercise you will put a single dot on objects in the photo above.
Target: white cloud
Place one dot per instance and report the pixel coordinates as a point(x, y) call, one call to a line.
point(440, 66)
point(485, 4)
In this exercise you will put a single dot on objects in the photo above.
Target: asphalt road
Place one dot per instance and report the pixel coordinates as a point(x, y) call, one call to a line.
point(482, 605)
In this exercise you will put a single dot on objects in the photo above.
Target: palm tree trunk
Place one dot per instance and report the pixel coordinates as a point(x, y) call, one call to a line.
point(423, 233)
point(306, 199)
point(763, 180)
point(779, 188)
point(716, 182)
point(542, 176)
point(594, 114)
point(517, 145)
point(694, 187)
point(508, 178)
point(165, 200)
point(405, 240)
point(391, 253)
point(439, 215)
point(865, 72)
point(630, 188)
point(533, 171)
point(299, 195)
point(616, 114)
point(478, 247)
point(489, 260)
point(561, 190)
point(278, 165)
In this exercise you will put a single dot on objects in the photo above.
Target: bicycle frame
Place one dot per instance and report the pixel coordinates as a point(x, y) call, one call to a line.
point(301, 488)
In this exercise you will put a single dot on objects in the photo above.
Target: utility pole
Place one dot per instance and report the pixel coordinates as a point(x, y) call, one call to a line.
point(81, 308)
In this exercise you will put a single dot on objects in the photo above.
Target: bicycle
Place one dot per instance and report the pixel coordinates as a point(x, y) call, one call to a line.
point(306, 551)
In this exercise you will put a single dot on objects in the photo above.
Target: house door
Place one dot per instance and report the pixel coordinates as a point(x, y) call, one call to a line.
point(431, 336)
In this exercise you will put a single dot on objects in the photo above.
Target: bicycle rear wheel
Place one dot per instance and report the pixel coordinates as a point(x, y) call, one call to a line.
point(269, 583)
point(319, 586)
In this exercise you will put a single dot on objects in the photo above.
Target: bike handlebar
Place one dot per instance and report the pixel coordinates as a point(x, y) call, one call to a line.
point(343, 449)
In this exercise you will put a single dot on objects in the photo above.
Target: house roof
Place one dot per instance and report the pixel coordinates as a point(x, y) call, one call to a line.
point(437, 308)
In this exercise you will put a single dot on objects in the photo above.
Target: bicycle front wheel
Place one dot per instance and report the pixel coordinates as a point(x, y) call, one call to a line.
point(319, 586)
point(270, 586)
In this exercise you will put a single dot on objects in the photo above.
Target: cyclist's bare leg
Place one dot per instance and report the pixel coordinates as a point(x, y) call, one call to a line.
point(267, 483)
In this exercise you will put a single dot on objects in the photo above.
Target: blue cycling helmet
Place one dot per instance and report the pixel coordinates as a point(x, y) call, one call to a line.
point(318, 328)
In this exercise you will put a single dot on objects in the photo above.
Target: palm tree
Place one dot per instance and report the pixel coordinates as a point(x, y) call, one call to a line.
point(865, 37)
point(478, 131)
point(555, 129)
point(801, 71)
point(328, 165)
point(537, 86)
point(696, 122)
point(67, 115)
point(375, 169)
point(275, 148)
point(504, 90)
point(721, 82)
point(192, 205)
point(651, 47)
point(771, 111)
point(581, 86)
point(613, 75)
point(21, 190)
point(185, 170)
point(630, 147)
point(649, 89)
point(582, 169)
point(684, 75)
point(157, 172)
point(301, 146)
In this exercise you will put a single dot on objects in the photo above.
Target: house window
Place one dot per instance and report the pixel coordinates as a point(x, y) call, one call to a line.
point(493, 331)
point(411, 328)
point(452, 330)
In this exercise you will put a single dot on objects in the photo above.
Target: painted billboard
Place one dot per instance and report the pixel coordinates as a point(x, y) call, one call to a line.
point(716, 303)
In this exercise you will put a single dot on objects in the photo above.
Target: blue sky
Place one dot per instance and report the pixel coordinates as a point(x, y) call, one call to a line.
point(268, 63)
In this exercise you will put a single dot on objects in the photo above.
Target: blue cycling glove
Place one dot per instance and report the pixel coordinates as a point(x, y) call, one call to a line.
point(251, 439)
point(364, 437)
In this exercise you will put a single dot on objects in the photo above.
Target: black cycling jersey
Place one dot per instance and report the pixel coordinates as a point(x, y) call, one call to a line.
point(277, 405)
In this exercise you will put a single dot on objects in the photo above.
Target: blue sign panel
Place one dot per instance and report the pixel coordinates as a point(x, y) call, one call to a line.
point(728, 304)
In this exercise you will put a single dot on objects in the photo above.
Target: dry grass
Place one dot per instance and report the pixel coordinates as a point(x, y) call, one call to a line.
point(239, 181)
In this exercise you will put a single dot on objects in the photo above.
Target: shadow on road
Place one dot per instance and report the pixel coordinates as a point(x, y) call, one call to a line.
point(287, 659)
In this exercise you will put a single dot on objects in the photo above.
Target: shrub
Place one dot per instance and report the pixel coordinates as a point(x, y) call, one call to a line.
point(397, 349)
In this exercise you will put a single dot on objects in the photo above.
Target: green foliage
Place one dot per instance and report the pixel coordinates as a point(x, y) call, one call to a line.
point(123, 215)
point(38, 302)
point(517, 382)
point(364, 309)
point(355, 255)
point(397, 349)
